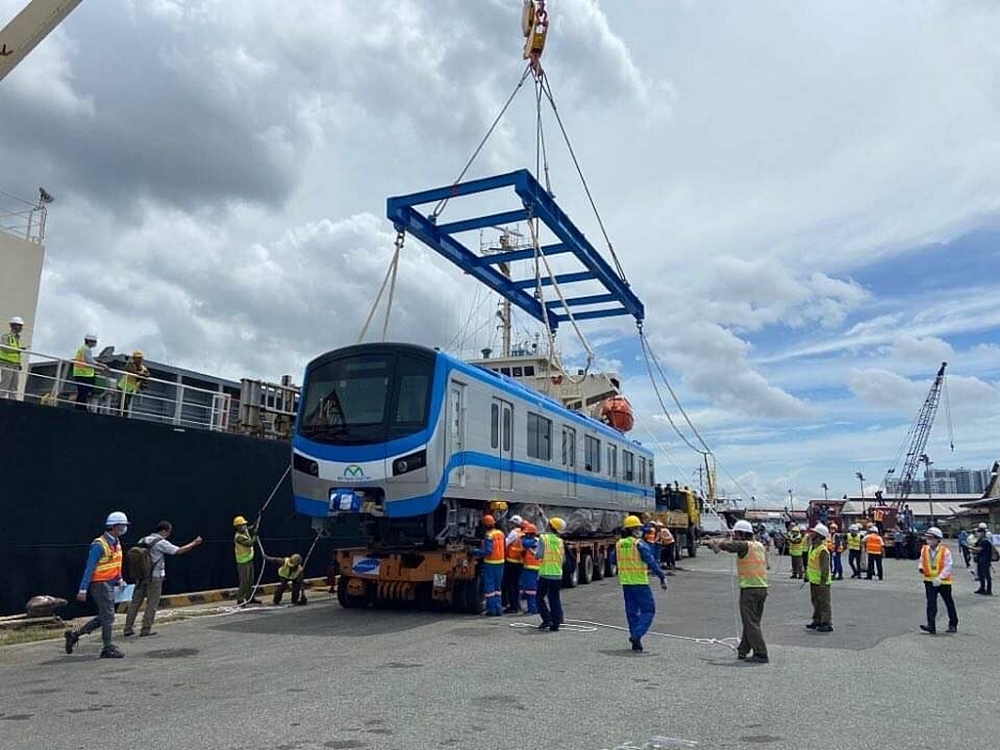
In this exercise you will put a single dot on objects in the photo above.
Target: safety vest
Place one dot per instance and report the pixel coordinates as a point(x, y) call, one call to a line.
point(495, 557)
point(109, 567)
point(10, 349)
point(288, 571)
point(130, 382)
point(854, 541)
point(531, 561)
point(514, 549)
point(752, 567)
point(632, 569)
point(874, 544)
point(932, 564)
point(244, 552)
point(795, 544)
point(666, 537)
point(878, 516)
point(555, 552)
point(80, 368)
point(834, 543)
point(812, 565)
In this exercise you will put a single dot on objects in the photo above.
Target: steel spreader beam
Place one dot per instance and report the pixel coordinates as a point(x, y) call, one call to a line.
point(536, 203)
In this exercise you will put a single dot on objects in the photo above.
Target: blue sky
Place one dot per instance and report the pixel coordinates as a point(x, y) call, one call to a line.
point(805, 195)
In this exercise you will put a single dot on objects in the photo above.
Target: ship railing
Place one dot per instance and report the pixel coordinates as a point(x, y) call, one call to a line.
point(48, 380)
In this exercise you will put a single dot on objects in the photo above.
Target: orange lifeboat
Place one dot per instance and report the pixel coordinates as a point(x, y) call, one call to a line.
point(617, 412)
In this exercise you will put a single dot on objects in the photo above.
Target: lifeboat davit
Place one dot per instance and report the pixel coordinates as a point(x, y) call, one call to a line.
point(617, 412)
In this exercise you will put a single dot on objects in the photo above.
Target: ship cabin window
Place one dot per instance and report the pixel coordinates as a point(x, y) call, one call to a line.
point(495, 426)
point(642, 470)
point(539, 437)
point(517, 372)
point(628, 466)
point(591, 453)
point(529, 371)
point(612, 460)
point(505, 371)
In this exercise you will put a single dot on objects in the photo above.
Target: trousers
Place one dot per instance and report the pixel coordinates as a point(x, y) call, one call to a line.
point(550, 602)
point(492, 584)
point(84, 389)
point(103, 595)
point(854, 560)
point(796, 566)
point(8, 380)
point(512, 585)
point(985, 576)
point(640, 609)
point(150, 591)
point(932, 593)
point(822, 604)
point(283, 584)
point(529, 588)
point(751, 613)
point(874, 562)
point(246, 574)
point(838, 566)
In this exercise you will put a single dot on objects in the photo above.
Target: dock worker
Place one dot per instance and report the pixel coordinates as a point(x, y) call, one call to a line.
point(983, 550)
point(935, 566)
point(819, 577)
point(530, 568)
point(151, 589)
point(244, 542)
point(290, 573)
point(835, 546)
point(879, 517)
point(668, 545)
point(796, 548)
point(512, 567)
point(751, 568)
point(854, 550)
point(492, 566)
point(551, 553)
point(876, 548)
point(10, 358)
point(635, 559)
point(963, 546)
point(650, 535)
point(101, 577)
point(85, 369)
point(136, 379)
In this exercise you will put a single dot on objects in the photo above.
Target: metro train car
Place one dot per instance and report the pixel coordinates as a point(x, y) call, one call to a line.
point(420, 444)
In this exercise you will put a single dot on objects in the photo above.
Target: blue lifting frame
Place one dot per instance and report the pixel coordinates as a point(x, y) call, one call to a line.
point(536, 202)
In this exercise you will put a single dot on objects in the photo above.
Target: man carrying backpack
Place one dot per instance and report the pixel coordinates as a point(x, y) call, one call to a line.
point(147, 569)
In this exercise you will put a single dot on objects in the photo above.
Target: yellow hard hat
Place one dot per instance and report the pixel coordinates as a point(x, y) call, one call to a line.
point(137, 353)
point(631, 522)
point(557, 524)
point(239, 521)
point(500, 505)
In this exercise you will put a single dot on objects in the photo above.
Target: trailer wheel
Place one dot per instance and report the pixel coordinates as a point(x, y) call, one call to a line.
point(350, 601)
point(600, 564)
point(586, 567)
point(572, 580)
point(469, 596)
point(611, 569)
point(691, 546)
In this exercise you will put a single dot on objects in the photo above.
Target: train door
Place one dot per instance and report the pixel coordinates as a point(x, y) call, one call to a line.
point(456, 433)
point(569, 459)
point(613, 473)
point(502, 444)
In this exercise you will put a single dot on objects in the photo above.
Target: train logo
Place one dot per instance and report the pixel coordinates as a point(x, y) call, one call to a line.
point(353, 471)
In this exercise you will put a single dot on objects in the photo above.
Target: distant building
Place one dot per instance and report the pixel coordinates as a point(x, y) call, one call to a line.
point(959, 481)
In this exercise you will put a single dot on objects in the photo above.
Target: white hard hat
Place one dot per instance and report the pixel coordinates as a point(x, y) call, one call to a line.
point(17, 320)
point(116, 518)
point(803, 527)
point(934, 531)
point(516, 520)
point(854, 527)
point(90, 337)
point(820, 529)
point(983, 527)
point(743, 526)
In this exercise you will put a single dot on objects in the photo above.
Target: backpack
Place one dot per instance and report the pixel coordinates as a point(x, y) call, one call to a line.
point(139, 561)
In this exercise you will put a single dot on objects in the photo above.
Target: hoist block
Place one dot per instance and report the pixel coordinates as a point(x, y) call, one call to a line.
point(535, 203)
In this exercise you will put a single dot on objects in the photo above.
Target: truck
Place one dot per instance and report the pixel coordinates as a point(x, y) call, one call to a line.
point(679, 509)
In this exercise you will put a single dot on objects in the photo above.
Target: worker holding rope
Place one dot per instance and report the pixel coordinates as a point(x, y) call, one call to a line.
point(635, 560)
point(244, 542)
point(751, 567)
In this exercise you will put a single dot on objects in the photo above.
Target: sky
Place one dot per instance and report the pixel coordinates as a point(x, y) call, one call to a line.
point(805, 196)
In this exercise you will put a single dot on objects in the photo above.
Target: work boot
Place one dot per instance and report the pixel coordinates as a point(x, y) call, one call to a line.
point(71, 639)
point(740, 655)
point(636, 644)
point(301, 602)
point(112, 652)
point(812, 626)
point(760, 659)
point(953, 628)
point(824, 629)
point(145, 633)
point(128, 633)
point(545, 626)
point(276, 601)
point(928, 629)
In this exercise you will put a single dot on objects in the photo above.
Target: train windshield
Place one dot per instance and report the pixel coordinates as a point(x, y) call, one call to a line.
point(367, 398)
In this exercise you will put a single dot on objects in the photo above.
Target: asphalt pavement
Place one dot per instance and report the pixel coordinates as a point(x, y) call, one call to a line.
point(323, 678)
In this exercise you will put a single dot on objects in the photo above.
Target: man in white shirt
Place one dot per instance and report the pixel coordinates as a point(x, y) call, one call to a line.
point(152, 587)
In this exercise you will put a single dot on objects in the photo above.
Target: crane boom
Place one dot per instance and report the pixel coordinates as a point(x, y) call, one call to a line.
point(917, 438)
point(28, 28)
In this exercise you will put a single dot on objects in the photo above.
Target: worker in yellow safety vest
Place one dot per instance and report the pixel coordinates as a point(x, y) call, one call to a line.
point(101, 578)
point(513, 566)
point(85, 369)
point(244, 541)
point(10, 358)
point(551, 554)
point(751, 567)
point(796, 545)
point(136, 379)
point(935, 567)
point(291, 573)
point(854, 550)
point(819, 577)
point(635, 559)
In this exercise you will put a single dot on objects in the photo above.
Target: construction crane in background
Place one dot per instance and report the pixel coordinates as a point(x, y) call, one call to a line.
point(916, 440)
point(28, 28)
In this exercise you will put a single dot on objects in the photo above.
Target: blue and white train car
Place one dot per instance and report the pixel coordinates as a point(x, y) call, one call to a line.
point(420, 443)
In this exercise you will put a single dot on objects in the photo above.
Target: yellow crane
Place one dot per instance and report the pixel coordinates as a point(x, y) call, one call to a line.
point(29, 27)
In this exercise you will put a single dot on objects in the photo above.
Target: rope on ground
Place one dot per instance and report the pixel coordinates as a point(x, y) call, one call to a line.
point(730, 643)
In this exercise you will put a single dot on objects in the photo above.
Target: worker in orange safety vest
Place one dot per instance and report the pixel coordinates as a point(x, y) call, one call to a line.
point(935, 566)
point(512, 567)
point(876, 548)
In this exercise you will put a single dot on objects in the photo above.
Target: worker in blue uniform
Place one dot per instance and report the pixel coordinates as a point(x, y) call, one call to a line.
point(635, 560)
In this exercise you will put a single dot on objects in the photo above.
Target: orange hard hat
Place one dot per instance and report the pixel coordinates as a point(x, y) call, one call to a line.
point(489, 520)
point(529, 528)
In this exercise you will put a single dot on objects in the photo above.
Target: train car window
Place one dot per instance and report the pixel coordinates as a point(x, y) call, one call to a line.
point(591, 453)
point(507, 419)
point(612, 461)
point(652, 479)
point(628, 466)
point(539, 437)
point(571, 434)
point(495, 426)
point(642, 470)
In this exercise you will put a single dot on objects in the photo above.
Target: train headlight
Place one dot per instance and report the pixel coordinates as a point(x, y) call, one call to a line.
point(301, 463)
point(409, 463)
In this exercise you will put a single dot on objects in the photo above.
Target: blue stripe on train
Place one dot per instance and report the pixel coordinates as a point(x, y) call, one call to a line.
point(416, 506)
